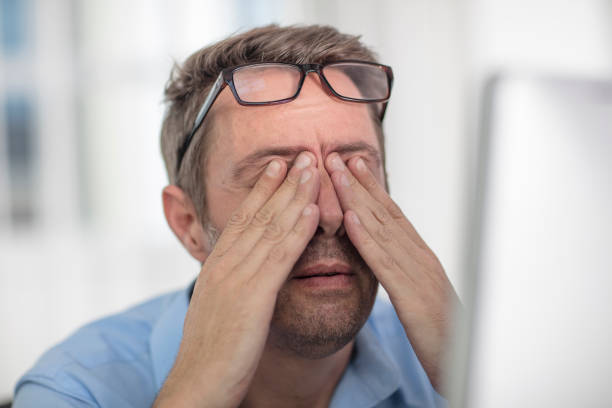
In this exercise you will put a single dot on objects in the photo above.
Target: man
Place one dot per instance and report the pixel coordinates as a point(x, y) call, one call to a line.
point(274, 150)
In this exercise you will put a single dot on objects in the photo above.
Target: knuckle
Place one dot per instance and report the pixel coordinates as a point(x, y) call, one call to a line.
point(352, 180)
point(431, 261)
point(299, 229)
point(274, 232)
point(292, 178)
point(262, 217)
point(301, 200)
point(217, 274)
point(387, 262)
point(216, 255)
point(368, 241)
point(438, 318)
point(381, 215)
point(277, 254)
point(384, 234)
point(239, 219)
point(395, 211)
point(264, 189)
point(370, 183)
point(352, 201)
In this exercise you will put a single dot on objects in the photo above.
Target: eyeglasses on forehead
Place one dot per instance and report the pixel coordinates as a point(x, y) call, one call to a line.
point(272, 83)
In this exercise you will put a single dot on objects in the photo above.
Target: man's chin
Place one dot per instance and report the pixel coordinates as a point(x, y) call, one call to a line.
point(315, 319)
point(321, 301)
point(326, 300)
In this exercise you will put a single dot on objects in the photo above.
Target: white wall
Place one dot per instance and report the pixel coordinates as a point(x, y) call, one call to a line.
point(561, 38)
point(533, 350)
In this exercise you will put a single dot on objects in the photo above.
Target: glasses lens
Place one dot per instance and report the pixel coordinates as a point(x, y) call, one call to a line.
point(266, 82)
point(358, 81)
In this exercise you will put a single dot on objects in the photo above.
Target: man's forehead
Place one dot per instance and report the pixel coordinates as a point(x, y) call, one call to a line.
point(313, 101)
point(251, 149)
point(298, 122)
point(315, 121)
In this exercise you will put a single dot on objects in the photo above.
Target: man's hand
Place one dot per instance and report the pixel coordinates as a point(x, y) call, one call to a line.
point(409, 271)
point(229, 316)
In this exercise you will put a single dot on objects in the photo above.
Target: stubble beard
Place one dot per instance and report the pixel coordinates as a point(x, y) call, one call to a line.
point(314, 326)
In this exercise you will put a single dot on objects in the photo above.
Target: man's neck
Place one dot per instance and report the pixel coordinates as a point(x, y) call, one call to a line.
point(283, 380)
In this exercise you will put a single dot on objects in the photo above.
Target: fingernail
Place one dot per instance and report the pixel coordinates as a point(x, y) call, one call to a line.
point(360, 164)
point(337, 163)
point(307, 211)
point(273, 169)
point(303, 161)
point(305, 176)
point(355, 218)
point(344, 180)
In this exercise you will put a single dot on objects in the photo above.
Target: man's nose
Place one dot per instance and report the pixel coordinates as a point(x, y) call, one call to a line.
point(330, 212)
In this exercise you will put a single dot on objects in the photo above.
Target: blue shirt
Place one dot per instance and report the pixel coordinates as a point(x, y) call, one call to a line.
point(123, 360)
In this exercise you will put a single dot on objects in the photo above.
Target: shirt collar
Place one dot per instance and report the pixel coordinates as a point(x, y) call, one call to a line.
point(370, 377)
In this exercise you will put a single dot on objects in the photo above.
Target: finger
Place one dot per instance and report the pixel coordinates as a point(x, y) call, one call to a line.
point(277, 230)
point(382, 263)
point(241, 218)
point(370, 250)
point(376, 221)
point(354, 196)
point(369, 182)
point(264, 218)
point(373, 215)
point(271, 260)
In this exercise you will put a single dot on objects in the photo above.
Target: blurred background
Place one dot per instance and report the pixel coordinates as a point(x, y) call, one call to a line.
point(82, 233)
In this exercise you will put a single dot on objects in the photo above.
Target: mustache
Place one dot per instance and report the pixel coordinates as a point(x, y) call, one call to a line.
point(339, 248)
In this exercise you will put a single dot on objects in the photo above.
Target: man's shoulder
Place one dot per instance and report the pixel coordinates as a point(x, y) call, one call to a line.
point(123, 336)
point(112, 352)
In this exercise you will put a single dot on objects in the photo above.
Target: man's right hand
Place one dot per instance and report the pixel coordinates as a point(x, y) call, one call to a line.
point(228, 320)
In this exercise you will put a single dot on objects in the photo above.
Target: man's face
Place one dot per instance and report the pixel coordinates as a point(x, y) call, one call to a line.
point(309, 320)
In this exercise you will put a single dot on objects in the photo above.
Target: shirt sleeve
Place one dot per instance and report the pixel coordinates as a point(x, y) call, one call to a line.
point(31, 394)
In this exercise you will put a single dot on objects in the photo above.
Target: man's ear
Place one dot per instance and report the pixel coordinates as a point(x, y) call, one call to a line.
point(184, 222)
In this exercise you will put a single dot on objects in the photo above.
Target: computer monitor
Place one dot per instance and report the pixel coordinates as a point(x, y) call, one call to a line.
point(540, 258)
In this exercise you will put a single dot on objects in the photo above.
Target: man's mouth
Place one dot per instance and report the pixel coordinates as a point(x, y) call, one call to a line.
point(325, 276)
point(324, 270)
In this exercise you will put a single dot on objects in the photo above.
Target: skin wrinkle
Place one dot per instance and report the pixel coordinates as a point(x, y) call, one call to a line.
point(262, 156)
point(329, 336)
point(253, 335)
point(305, 324)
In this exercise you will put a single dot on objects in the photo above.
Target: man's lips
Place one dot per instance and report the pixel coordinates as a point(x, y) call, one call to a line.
point(321, 269)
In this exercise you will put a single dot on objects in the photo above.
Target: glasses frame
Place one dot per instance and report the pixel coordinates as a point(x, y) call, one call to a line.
point(226, 78)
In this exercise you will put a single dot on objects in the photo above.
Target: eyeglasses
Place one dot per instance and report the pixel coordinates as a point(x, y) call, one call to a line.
point(275, 83)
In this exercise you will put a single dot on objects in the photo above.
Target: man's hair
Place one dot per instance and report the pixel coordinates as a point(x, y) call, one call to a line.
point(189, 84)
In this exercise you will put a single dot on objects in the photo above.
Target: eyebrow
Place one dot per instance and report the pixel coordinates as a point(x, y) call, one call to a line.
point(290, 152)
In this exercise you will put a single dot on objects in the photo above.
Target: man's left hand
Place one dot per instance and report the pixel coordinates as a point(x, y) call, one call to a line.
point(410, 272)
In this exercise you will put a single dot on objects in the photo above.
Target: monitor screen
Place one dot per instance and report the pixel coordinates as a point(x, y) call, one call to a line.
point(541, 332)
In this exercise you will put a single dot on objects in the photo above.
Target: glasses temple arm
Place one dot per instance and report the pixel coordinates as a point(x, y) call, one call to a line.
point(383, 110)
point(210, 99)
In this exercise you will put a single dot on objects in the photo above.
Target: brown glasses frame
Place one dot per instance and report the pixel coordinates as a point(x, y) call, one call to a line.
point(226, 78)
